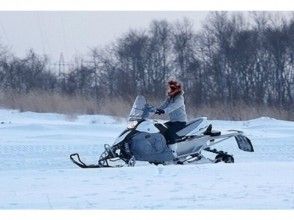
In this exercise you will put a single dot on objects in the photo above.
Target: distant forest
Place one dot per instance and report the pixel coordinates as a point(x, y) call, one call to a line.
point(234, 63)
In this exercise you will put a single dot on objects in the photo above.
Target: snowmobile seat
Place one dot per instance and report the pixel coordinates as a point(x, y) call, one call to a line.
point(190, 127)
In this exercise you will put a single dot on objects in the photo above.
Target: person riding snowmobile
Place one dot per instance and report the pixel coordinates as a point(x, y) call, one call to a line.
point(174, 105)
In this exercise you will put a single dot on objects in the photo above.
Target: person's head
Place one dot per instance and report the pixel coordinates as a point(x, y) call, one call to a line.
point(174, 88)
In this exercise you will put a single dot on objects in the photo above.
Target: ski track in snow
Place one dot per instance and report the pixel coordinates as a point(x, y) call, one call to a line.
point(36, 172)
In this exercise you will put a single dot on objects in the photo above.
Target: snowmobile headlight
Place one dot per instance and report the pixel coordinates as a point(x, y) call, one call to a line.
point(132, 124)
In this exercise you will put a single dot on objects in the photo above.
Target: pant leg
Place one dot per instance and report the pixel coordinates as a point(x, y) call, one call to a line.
point(173, 127)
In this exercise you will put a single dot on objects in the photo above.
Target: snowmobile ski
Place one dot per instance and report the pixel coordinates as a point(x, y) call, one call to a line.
point(75, 158)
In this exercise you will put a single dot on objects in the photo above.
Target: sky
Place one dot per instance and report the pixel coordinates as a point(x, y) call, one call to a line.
point(74, 32)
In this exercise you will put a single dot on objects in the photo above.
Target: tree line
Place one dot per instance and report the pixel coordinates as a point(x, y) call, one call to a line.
point(232, 59)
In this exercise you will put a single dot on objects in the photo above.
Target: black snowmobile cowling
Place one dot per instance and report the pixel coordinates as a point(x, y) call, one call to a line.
point(145, 139)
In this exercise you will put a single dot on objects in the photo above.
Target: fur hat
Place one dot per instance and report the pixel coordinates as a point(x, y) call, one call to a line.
point(174, 88)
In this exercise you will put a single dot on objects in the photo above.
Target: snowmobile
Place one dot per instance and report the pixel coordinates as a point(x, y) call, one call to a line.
point(145, 139)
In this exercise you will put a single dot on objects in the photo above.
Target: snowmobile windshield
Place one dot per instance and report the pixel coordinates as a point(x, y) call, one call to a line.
point(140, 109)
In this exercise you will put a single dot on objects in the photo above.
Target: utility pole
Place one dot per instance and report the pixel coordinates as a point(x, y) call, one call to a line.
point(61, 65)
point(61, 71)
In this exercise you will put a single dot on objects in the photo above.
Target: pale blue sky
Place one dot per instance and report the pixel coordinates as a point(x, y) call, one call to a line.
point(74, 32)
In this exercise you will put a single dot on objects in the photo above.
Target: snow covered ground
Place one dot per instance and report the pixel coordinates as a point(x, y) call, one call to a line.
point(36, 173)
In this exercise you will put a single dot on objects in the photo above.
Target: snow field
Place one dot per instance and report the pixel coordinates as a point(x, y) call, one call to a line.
point(36, 172)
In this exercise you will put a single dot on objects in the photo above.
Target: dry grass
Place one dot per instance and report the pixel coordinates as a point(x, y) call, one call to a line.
point(48, 102)
point(74, 105)
point(239, 111)
point(71, 106)
point(116, 107)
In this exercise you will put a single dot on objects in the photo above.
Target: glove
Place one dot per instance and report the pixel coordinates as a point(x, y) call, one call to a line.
point(159, 111)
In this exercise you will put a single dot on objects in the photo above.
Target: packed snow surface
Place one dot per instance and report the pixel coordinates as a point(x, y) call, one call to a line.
point(36, 172)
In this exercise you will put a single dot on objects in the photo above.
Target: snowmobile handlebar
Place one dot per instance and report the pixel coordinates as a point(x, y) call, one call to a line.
point(148, 111)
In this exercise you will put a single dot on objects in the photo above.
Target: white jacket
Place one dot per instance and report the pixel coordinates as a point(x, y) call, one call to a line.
point(175, 107)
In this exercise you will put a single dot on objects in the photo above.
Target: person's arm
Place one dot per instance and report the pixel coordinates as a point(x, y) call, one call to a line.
point(173, 105)
point(159, 110)
point(164, 104)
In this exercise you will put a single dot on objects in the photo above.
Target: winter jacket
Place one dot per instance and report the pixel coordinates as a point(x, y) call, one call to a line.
point(175, 107)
